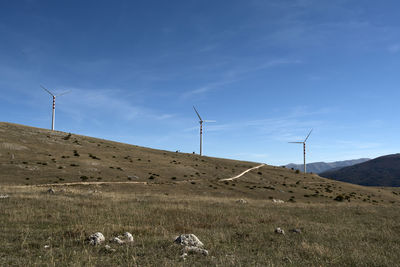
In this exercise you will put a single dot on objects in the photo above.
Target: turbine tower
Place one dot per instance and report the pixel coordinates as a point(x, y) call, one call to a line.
point(304, 149)
point(201, 130)
point(54, 105)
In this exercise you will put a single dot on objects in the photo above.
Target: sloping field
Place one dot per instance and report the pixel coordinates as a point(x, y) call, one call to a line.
point(33, 156)
point(156, 195)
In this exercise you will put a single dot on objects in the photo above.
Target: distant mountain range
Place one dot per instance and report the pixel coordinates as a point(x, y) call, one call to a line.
point(382, 171)
point(320, 167)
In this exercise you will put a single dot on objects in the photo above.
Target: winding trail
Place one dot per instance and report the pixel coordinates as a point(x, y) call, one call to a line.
point(238, 176)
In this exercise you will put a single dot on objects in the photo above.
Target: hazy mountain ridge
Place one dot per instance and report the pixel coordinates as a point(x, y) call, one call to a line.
point(320, 167)
point(382, 171)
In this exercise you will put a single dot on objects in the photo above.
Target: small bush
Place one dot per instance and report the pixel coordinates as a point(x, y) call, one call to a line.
point(67, 137)
point(297, 171)
point(339, 198)
point(84, 178)
point(93, 156)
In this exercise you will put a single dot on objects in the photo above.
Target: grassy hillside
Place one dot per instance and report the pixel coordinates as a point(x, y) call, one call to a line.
point(33, 156)
point(156, 195)
point(382, 171)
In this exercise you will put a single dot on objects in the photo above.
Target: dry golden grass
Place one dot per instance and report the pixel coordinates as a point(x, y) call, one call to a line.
point(165, 194)
point(338, 234)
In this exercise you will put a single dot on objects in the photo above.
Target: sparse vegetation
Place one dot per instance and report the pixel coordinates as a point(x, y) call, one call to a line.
point(339, 198)
point(333, 232)
point(325, 231)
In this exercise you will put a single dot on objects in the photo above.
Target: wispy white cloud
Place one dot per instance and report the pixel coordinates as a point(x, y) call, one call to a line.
point(207, 87)
point(290, 127)
point(85, 104)
point(235, 74)
point(394, 48)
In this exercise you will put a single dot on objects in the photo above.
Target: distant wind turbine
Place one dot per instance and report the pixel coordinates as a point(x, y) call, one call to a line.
point(201, 129)
point(54, 104)
point(304, 148)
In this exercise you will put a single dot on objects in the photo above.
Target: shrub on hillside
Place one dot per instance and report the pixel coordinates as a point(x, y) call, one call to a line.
point(339, 198)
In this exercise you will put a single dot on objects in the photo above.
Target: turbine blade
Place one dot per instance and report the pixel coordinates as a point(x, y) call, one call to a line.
point(296, 142)
point(197, 113)
point(64, 93)
point(308, 136)
point(210, 121)
point(47, 90)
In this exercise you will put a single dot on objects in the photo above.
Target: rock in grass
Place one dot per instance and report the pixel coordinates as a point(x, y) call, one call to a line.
point(278, 201)
point(96, 239)
point(125, 238)
point(128, 237)
point(192, 245)
point(188, 240)
point(51, 191)
point(194, 250)
point(241, 201)
point(279, 231)
point(4, 196)
point(184, 255)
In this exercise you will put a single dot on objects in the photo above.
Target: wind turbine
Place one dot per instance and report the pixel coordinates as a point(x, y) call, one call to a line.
point(54, 105)
point(201, 129)
point(304, 148)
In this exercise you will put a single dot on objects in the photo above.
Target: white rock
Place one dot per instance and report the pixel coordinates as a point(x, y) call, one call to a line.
point(278, 201)
point(4, 196)
point(96, 239)
point(279, 231)
point(188, 240)
point(184, 255)
point(195, 250)
point(128, 237)
point(46, 246)
point(125, 238)
point(241, 201)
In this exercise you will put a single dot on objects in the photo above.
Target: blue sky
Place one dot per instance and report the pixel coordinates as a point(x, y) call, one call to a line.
point(266, 71)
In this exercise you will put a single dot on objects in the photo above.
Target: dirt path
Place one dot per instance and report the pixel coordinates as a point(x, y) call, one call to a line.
point(238, 176)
